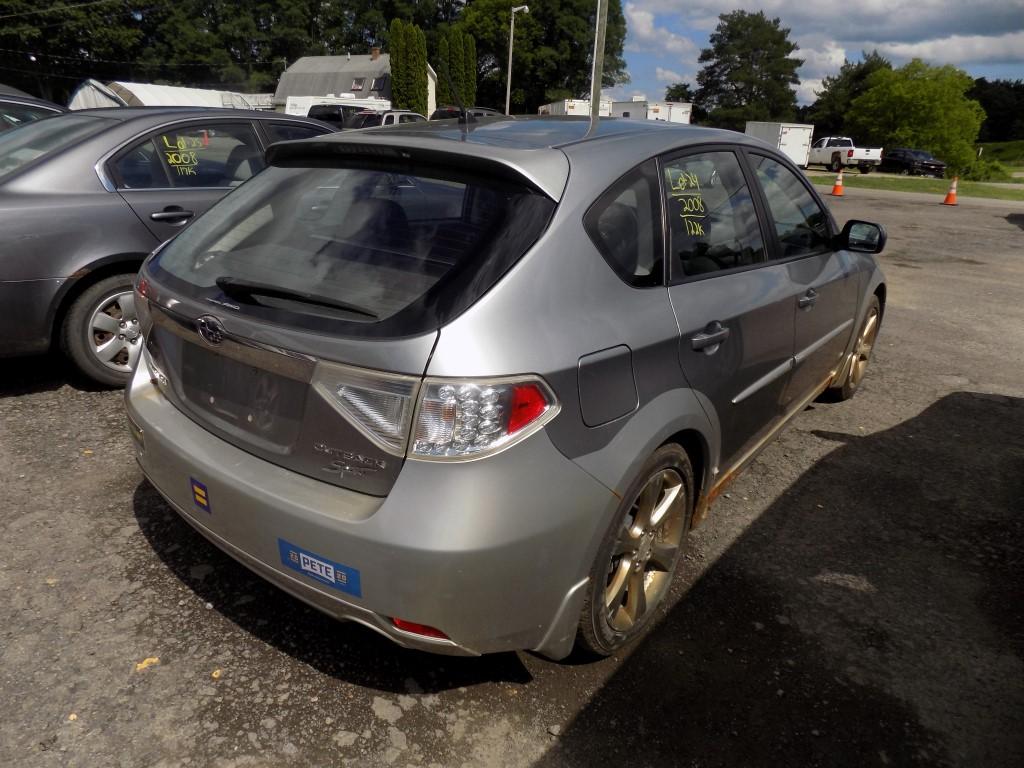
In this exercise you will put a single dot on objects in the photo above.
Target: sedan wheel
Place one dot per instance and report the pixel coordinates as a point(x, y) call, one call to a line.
point(101, 334)
point(638, 558)
point(860, 357)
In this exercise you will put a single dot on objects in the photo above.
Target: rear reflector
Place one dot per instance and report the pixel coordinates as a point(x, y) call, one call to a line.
point(418, 629)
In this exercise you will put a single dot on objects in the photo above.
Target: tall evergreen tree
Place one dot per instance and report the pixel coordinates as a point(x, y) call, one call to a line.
point(456, 64)
point(444, 92)
point(397, 51)
point(748, 71)
point(422, 87)
point(410, 67)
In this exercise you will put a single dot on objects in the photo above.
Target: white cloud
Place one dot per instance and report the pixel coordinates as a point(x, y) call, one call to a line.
point(959, 49)
point(667, 75)
point(805, 92)
point(648, 37)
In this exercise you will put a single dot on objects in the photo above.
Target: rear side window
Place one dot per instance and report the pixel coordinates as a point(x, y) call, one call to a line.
point(712, 221)
point(625, 225)
point(800, 223)
point(365, 251)
point(198, 155)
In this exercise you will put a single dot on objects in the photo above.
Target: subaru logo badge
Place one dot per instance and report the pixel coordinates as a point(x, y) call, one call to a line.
point(211, 329)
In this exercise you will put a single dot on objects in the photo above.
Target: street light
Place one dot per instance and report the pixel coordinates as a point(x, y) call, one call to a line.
point(511, 34)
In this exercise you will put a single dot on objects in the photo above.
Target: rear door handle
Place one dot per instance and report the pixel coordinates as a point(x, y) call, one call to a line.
point(709, 340)
point(808, 299)
point(172, 215)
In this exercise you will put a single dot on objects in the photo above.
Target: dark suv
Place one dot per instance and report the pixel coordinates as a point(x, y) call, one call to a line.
point(912, 162)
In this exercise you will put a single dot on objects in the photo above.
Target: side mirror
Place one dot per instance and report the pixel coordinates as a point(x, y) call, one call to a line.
point(862, 237)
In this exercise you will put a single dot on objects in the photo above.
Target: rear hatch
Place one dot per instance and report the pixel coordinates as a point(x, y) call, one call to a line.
point(296, 318)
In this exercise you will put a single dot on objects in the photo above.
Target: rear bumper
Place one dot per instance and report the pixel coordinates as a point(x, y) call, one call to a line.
point(494, 552)
point(25, 322)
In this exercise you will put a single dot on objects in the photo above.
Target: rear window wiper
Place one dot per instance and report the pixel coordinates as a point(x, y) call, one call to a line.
point(245, 289)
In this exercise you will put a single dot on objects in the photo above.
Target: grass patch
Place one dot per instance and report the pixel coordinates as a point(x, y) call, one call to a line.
point(1006, 152)
point(937, 187)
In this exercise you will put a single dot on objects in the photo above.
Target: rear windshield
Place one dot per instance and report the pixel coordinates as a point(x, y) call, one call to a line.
point(364, 251)
point(33, 141)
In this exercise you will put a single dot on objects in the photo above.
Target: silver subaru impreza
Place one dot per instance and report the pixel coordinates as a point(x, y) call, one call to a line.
point(471, 386)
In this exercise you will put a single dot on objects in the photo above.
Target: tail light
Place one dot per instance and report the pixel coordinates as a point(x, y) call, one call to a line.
point(458, 420)
point(849, 153)
point(418, 629)
point(455, 419)
point(377, 404)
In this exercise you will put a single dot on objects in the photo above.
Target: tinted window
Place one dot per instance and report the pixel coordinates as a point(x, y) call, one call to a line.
point(43, 138)
point(141, 167)
point(410, 119)
point(361, 250)
point(198, 155)
point(625, 225)
point(326, 112)
point(292, 131)
point(801, 224)
point(13, 115)
point(712, 222)
point(367, 120)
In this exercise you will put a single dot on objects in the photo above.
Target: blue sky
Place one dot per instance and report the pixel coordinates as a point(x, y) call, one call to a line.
point(983, 37)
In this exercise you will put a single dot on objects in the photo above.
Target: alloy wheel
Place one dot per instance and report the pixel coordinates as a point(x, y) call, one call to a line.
point(643, 557)
point(862, 350)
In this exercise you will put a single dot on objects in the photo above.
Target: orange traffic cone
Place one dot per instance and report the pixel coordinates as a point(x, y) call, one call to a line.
point(951, 195)
point(837, 188)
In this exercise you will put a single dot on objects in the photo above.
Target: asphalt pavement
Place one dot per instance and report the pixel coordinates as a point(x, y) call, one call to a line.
point(854, 600)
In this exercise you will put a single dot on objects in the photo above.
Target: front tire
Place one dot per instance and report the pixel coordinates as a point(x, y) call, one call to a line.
point(635, 564)
point(857, 367)
point(101, 333)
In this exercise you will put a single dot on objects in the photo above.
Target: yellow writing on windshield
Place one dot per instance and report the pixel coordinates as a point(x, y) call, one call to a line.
point(181, 152)
point(684, 188)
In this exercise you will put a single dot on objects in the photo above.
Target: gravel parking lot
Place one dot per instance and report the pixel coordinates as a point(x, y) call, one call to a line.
point(855, 599)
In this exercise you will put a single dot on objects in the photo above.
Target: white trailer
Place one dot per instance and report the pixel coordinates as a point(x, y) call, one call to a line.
point(641, 109)
point(299, 105)
point(792, 139)
point(576, 107)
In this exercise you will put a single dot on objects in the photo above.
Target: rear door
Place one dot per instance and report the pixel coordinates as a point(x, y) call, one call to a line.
point(734, 308)
point(825, 279)
point(173, 175)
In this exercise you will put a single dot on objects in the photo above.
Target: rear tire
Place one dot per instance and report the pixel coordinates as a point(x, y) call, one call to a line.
point(857, 368)
point(101, 332)
point(836, 165)
point(866, 168)
point(633, 570)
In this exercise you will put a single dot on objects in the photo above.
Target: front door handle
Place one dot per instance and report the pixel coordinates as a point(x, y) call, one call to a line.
point(710, 338)
point(807, 300)
point(173, 215)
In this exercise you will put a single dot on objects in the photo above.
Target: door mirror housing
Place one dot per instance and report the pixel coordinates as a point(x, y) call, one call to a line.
point(862, 237)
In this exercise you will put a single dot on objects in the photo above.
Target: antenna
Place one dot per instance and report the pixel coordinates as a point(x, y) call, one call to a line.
point(597, 73)
point(464, 116)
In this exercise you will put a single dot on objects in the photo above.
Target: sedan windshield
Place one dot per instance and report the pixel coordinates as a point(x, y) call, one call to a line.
point(920, 154)
point(32, 141)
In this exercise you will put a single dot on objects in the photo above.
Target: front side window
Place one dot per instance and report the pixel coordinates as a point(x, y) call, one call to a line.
point(712, 221)
point(198, 155)
point(800, 223)
point(363, 250)
point(625, 225)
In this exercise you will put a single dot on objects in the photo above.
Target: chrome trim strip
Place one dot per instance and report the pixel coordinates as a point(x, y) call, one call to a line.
point(291, 365)
point(804, 354)
point(765, 380)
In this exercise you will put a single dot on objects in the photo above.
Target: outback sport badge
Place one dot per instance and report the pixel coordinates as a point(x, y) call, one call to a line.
point(211, 329)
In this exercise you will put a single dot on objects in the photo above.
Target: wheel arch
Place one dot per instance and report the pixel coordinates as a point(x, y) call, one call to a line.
point(74, 286)
point(696, 447)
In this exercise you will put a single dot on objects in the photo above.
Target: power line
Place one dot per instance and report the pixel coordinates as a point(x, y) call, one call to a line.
point(138, 62)
point(57, 8)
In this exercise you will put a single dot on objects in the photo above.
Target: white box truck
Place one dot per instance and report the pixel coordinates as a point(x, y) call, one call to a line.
point(792, 139)
point(576, 107)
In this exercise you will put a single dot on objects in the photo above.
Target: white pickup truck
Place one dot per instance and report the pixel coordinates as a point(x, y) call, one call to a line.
point(838, 151)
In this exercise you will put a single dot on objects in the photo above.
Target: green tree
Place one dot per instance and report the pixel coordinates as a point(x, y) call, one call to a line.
point(456, 65)
point(679, 92)
point(421, 72)
point(748, 71)
point(409, 68)
point(444, 92)
point(1003, 102)
point(920, 106)
point(469, 68)
point(398, 53)
point(553, 47)
point(828, 113)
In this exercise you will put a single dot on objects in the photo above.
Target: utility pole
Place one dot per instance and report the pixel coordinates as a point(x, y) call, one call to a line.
point(597, 73)
point(511, 37)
